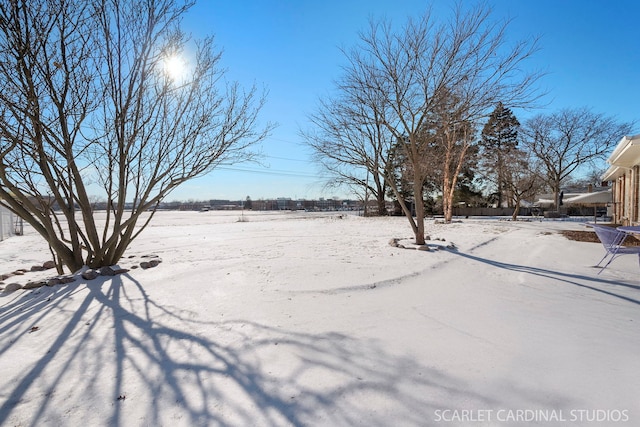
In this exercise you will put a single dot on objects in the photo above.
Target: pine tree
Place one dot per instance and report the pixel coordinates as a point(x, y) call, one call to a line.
point(499, 138)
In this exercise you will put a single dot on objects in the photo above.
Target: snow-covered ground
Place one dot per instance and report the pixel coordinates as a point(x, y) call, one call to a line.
point(316, 320)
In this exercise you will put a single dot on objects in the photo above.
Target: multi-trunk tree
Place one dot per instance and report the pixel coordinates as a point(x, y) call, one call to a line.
point(406, 76)
point(87, 105)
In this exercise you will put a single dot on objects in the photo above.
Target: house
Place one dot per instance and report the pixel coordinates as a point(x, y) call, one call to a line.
point(624, 174)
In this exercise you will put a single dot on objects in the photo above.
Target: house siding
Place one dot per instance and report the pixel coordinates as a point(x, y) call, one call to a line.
point(624, 175)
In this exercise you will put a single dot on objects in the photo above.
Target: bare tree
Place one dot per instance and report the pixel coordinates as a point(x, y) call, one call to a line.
point(569, 139)
point(520, 177)
point(405, 76)
point(452, 137)
point(350, 146)
point(86, 103)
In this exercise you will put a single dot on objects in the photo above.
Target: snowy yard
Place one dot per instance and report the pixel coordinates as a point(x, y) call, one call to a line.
point(315, 320)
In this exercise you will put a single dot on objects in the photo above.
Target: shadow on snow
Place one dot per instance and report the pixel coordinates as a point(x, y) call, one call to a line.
point(594, 283)
point(171, 367)
point(168, 366)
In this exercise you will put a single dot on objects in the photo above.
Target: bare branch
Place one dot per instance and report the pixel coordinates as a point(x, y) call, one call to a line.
point(86, 105)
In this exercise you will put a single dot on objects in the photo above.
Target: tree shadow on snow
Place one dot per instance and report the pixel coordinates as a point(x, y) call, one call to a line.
point(594, 283)
point(118, 358)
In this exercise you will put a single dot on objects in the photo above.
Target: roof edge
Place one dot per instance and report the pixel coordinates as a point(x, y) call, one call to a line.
point(622, 146)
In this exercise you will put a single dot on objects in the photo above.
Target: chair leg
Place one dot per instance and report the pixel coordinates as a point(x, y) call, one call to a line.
point(607, 264)
point(613, 255)
point(603, 258)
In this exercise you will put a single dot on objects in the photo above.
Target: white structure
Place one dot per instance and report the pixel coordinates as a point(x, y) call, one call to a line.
point(7, 223)
point(624, 173)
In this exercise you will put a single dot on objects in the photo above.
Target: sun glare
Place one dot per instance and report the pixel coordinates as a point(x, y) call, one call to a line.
point(174, 67)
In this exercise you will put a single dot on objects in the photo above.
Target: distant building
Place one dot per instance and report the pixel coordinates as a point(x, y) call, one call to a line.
point(281, 203)
point(285, 203)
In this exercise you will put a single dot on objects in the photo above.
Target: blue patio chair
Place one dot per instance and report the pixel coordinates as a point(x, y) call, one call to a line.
point(613, 242)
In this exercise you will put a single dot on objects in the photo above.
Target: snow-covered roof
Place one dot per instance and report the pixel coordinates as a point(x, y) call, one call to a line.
point(625, 156)
point(597, 198)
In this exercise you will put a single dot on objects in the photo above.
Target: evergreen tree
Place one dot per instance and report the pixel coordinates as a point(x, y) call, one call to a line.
point(499, 138)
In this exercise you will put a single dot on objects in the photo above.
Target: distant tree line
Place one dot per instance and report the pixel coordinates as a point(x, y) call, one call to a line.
point(281, 203)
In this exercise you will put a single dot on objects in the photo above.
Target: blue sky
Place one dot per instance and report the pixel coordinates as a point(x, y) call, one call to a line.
point(589, 49)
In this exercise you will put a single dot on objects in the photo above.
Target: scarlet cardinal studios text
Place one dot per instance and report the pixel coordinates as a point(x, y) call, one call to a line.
point(531, 415)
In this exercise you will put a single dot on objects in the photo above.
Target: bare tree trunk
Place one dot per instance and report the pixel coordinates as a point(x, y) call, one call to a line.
point(419, 206)
point(407, 212)
point(556, 194)
point(451, 176)
point(380, 194)
point(516, 211)
point(382, 206)
point(447, 197)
